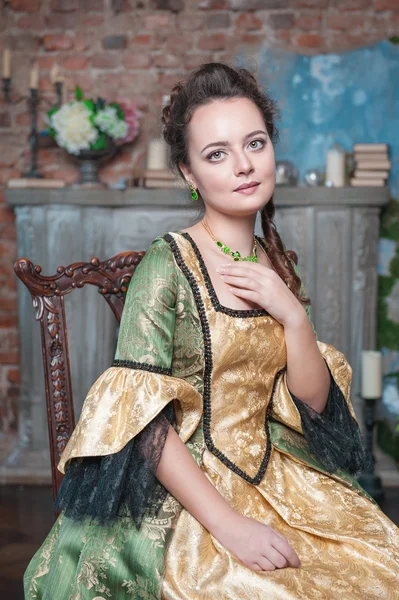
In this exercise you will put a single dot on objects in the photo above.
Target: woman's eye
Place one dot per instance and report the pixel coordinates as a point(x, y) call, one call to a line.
point(261, 142)
point(218, 152)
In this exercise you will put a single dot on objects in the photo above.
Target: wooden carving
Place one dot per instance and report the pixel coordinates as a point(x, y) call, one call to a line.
point(112, 278)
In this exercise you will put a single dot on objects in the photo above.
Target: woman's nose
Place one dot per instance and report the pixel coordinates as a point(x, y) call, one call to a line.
point(243, 164)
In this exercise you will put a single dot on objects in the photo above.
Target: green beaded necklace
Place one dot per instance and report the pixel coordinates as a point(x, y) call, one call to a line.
point(226, 249)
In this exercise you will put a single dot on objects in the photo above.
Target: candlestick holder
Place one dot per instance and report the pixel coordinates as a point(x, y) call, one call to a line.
point(369, 480)
point(33, 138)
point(7, 88)
point(58, 91)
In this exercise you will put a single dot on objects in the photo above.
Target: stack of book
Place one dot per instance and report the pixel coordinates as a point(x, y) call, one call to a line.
point(156, 178)
point(372, 165)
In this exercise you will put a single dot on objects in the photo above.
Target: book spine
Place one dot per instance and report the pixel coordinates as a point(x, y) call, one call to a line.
point(367, 182)
point(370, 174)
point(376, 165)
point(370, 156)
point(370, 147)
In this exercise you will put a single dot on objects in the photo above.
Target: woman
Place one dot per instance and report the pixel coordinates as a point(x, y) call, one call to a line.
point(215, 458)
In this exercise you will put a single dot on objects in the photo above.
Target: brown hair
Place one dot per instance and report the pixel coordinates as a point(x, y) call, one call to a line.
point(218, 81)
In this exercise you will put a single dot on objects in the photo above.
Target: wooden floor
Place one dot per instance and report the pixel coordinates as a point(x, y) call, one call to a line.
point(26, 518)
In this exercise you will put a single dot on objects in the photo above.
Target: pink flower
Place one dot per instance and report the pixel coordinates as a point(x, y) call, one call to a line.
point(132, 118)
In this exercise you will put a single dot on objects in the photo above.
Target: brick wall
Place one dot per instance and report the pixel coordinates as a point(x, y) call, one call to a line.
point(140, 48)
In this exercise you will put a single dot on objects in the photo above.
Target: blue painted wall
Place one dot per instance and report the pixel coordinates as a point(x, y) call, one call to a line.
point(334, 98)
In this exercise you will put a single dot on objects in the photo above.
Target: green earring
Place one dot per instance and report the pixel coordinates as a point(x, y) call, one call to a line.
point(194, 195)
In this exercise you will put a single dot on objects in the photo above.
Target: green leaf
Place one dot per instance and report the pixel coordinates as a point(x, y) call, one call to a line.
point(394, 39)
point(78, 93)
point(90, 104)
point(119, 111)
point(100, 143)
point(52, 111)
point(51, 132)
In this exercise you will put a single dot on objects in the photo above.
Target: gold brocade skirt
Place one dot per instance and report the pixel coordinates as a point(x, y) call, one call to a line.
point(348, 548)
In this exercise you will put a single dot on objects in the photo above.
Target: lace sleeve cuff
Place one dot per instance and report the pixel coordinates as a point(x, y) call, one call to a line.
point(106, 487)
point(334, 435)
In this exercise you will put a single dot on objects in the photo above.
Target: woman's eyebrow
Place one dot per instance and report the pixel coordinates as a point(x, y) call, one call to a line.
point(227, 143)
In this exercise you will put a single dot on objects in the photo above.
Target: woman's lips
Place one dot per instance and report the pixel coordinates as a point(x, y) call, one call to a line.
point(249, 190)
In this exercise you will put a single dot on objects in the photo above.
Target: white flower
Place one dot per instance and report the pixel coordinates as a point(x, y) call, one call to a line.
point(74, 130)
point(108, 121)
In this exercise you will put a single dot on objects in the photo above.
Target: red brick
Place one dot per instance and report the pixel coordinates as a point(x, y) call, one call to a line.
point(32, 21)
point(57, 42)
point(142, 40)
point(192, 61)
point(251, 39)
point(8, 231)
point(26, 42)
point(172, 5)
point(7, 214)
point(348, 5)
point(311, 4)
point(30, 6)
point(213, 4)
point(282, 20)
point(136, 60)
point(214, 41)
point(156, 21)
point(166, 61)
point(5, 119)
point(190, 22)
point(9, 320)
point(69, 175)
point(65, 5)
point(309, 40)
point(93, 21)
point(105, 61)
point(76, 63)
point(115, 42)
point(63, 21)
point(386, 4)
point(218, 20)
point(258, 4)
point(248, 21)
point(13, 375)
point(8, 248)
point(6, 174)
point(177, 42)
point(309, 21)
point(349, 22)
point(9, 358)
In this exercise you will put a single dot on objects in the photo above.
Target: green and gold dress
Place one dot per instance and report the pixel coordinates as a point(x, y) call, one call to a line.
point(218, 376)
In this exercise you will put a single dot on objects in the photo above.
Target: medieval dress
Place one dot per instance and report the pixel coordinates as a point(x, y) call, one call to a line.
point(218, 376)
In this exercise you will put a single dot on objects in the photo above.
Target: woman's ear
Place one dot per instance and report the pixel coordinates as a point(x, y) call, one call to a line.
point(187, 174)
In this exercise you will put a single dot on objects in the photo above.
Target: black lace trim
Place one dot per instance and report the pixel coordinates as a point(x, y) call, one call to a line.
point(106, 488)
point(242, 313)
point(133, 364)
point(207, 411)
point(333, 435)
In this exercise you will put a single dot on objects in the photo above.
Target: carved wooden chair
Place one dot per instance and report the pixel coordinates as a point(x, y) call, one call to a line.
point(112, 277)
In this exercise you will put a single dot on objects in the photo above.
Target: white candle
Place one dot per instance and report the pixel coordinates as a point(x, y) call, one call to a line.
point(335, 168)
point(34, 77)
point(7, 63)
point(55, 73)
point(371, 374)
point(157, 154)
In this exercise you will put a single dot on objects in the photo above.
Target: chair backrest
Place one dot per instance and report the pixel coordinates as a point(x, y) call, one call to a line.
point(112, 277)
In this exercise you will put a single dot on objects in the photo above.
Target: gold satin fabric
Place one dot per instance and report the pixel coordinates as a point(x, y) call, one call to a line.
point(349, 549)
point(120, 403)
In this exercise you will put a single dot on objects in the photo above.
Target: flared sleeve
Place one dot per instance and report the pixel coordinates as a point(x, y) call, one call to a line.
point(334, 436)
point(112, 456)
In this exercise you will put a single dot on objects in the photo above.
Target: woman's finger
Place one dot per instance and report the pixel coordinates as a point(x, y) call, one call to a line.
point(284, 548)
point(265, 564)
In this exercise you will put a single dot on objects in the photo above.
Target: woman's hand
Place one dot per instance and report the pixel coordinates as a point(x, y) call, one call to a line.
point(257, 546)
point(260, 284)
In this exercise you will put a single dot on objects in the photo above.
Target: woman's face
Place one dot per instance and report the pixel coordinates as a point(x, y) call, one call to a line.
point(228, 145)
